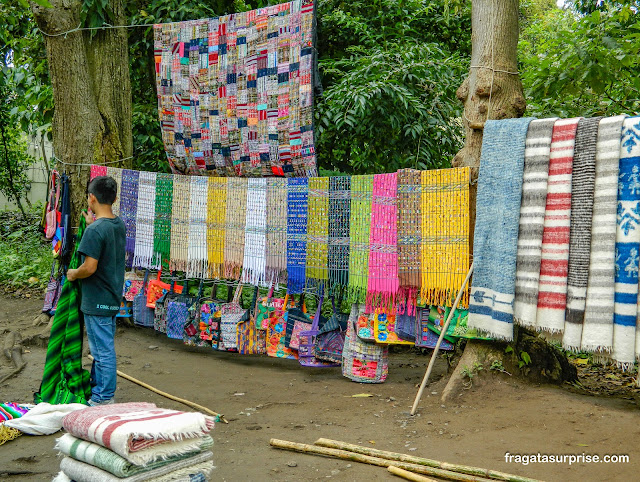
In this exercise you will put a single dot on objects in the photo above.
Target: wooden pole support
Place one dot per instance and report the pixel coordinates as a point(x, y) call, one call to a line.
point(169, 396)
point(366, 459)
point(405, 474)
point(434, 355)
point(383, 454)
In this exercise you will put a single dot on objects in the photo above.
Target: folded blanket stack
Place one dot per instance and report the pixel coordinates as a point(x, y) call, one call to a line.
point(135, 442)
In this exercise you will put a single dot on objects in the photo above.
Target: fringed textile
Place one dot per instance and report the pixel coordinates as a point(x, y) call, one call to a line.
point(382, 286)
point(180, 223)
point(627, 246)
point(143, 254)
point(116, 173)
point(318, 230)
point(582, 186)
point(409, 235)
point(532, 209)
point(276, 269)
point(445, 235)
point(162, 223)
point(128, 211)
point(216, 214)
point(236, 218)
point(597, 332)
point(359, 232)
point(554, 264)
point(197, 259)
point(297, 203)
point(97, 171)
point(339, 215)
point(498, 204)
point(255, 239)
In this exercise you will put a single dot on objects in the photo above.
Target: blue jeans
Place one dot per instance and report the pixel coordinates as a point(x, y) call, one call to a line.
point(101, 331)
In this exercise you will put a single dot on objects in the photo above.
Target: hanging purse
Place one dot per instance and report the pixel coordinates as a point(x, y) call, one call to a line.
point(231, 315)
point(330, 338)
point(384, 328)
point(365, 327)
point(132, 285)
point(266, 307)
point(191, 335)
point(251, 340)
point(276, 332)
point(156, 288)
point(306, 350)
point(425, 337)
point(178, 313)
point(52, 214)
point(406, 324)
point(142, 315)
point(54, 286)
point(160, 310)
point(301, 322)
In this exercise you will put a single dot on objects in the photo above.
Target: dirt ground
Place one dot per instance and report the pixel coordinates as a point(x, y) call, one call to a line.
point(266, 398)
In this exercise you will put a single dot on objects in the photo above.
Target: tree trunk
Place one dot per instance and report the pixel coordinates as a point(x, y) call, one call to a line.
point(91, 91)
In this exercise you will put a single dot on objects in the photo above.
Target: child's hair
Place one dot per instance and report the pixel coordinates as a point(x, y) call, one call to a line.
point(104, 188)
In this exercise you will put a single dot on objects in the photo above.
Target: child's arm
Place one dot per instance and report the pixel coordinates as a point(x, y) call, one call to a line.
point(85, 270)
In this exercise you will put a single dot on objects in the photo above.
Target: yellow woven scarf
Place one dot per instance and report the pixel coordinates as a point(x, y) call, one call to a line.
point(318, 229)
point(216, 214)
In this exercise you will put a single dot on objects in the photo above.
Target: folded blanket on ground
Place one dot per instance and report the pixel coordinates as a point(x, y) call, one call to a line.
point(105, 459)
point(180, 470)
point(139, 432)
point(199, 477)
point(44, 418)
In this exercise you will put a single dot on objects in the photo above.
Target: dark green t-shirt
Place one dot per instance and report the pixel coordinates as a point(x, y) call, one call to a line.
point(104, 240)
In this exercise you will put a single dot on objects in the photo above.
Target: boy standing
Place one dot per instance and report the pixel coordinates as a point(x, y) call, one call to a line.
point(102, 275)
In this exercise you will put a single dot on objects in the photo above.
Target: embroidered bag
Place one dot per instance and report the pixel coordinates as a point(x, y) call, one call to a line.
point(52, 217)
point(425, 337)
point(156, 288)
point(160, 310)
point(384, 327)
point(54, 287)
point(266, 307)
point(208, 317)
point(191, 335)
point(132, 285)
point(276, 330)
point(365, 327)
point(296, 315)
point(251, 340)
point(142, 315)
point(299, 325)
point(306, 350)
point(232, 314)
point(330, 339)
point(363, 362)
point(406, 324)
point(178, 313)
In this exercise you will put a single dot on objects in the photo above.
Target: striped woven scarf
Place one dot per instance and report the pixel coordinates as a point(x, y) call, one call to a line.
point(318, 230)
point(582, 189)
point(627, 245)
point(409, 234)
point(597, 332)
point(128, 211)
point(359, 232)
point(255, 240)
point(143, 255)
point(339, 215)
point(445, 235)
point(216, 213)
point(180, 223)
point(382, 285)
point(297, 203)
point(534, 200)
point(554, 264)
point(276, 270)
point(64, 380)
point(197, 259)
point(97, 171)
point(116, 173)
point(162, 223)
point(498, 203)
point(236, 217)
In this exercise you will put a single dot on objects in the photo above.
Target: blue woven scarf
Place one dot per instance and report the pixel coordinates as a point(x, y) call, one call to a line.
point(128, 210)
point(297, 204)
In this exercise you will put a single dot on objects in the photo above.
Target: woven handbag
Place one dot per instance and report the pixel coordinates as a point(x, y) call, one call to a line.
point(296, 315)
point(178, 313)
point(142, 315)
point(365, 327)
point(276, 329)
point(251, 340)
point(406, 324)
point(384, 328)
point(191, 335)
point(266, 307)
point(160, 310)
point(306, 350)
point(231, 315)
point(52, 215)
point(299, 325)
point(54, 287)
point(132, 285)
point(361, 361)
point(425, 337)
point(208, 318)
point(330, 339)
point(156, 288)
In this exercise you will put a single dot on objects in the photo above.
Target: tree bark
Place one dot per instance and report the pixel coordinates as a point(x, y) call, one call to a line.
point(91, 92)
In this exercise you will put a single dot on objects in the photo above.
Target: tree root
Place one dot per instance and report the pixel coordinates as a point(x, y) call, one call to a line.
point(13, 352)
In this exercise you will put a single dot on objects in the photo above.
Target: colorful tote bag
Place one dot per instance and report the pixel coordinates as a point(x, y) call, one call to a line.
point(231, 315)
point(365, 327)
point(251, 340)
point(307, 349)
point(160, 310)
point(142, 314)
point(361, 361)
point(406, 324)
point(156, 288)
point(329, 342)
point(425, 336)
point(178, 312)
point(208, 318)
point(384, 326)
point(276, 334)
point(296, 315)
point(132, 285)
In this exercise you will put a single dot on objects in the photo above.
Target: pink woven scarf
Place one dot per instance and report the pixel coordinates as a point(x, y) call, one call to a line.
point(98, 171)
point(383, 282)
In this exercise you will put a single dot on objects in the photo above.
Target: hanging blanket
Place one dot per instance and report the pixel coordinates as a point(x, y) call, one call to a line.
point(102, 458)
point(276, 270)
point(597, 332)
point(534, 200)
point(145, 219)
point(140, 432)
point(197, 262)
point(255, 239)
point(627, 245)
point(382, 285)
point(236, 217)
point(128, 211)
point(97, 171)
point(498, 204)
point(64, 380)
point(359, 232)
point(339, 214)
point(318, 230)
point(582, 187)
point(116, 173)
point(162, 223)
point(297, 201)
point(409, 234)
point(445, 235)
point(216, 213)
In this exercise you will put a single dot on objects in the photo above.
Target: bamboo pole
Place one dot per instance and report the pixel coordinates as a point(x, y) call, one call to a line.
point(366, 459)
point(405, 474)
point(383, 454)
point(169, 396)
point(440, 338)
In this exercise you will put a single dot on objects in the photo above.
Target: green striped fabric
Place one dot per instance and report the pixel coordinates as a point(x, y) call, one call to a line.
point(359, 228)
point(162, 224)
point(64, 380)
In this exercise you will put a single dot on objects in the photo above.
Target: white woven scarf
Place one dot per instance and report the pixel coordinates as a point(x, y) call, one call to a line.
point(145, 217)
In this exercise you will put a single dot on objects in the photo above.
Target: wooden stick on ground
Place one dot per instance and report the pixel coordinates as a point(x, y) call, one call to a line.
point(366, 459)
point(169, 396)
point(440, 338)
point(405, 474)
point(463, 469)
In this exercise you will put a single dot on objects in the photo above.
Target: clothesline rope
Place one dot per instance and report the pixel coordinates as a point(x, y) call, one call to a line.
point(105, 26)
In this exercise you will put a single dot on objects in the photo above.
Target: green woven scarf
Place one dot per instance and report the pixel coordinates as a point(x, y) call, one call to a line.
point(359, 227)
point(162, 224)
